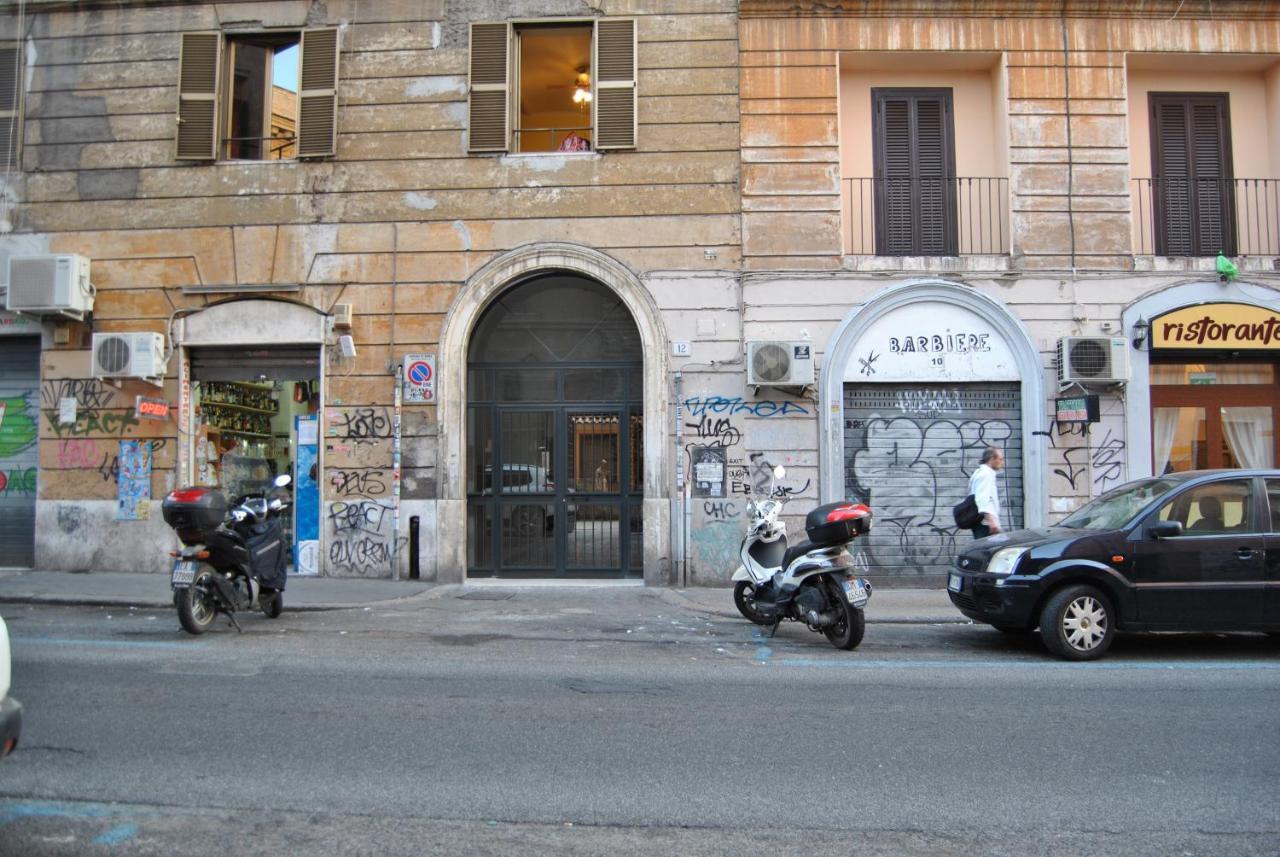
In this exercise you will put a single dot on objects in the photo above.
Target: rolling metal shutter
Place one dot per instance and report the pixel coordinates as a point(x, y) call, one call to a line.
point(255, 362)
point(909, 450)
point(19, 451)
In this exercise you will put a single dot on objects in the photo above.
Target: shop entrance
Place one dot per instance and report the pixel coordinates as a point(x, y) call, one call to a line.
point(554, 434)
point(1211, 412)
point(255, 417)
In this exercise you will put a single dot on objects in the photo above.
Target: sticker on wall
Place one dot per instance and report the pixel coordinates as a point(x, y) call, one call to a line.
point(133, 482)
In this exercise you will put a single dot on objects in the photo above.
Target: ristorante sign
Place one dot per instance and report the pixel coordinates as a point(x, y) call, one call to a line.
point(1234, 327)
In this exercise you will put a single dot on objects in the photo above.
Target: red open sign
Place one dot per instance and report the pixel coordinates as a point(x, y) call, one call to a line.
point(152, 409)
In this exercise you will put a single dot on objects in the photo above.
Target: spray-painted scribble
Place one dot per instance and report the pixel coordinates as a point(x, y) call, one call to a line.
point(738, 405)
point(361, 540)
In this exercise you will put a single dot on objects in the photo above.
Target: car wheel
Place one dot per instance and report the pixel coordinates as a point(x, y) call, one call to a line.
point(1077, 623)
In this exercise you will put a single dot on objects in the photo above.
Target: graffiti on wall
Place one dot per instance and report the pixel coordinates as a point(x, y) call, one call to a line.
point(927, 461)
point(1085, 459)
point(361, 538)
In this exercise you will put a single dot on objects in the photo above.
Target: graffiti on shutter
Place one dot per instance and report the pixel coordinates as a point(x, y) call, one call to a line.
point(909, 450)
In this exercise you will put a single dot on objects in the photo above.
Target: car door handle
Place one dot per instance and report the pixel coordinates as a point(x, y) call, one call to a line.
point(1245, 553)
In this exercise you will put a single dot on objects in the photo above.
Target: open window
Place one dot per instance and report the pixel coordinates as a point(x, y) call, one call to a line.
point(259, 96)
point(565, 86)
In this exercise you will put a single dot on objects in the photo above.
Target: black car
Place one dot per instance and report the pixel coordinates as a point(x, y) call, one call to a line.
point(1196, 551)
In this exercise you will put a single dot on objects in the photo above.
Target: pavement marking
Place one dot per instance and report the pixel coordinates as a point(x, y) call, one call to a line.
point(1038, 665)
point(116, 835)
point(763, 651)
point(119, 644)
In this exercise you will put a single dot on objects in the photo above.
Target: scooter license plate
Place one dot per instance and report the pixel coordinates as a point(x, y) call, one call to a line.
point(855, 591)
point(183, 574)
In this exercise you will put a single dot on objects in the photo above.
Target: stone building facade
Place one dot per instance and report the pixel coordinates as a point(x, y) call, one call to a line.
point(544, 289)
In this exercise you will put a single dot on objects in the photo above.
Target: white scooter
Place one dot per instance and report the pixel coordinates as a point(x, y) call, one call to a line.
point(811, 582)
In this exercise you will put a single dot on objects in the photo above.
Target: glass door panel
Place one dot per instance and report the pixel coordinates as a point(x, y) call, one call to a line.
point(1180, 439)
point(596, 467)
point(526, 488)
point(1248, 437)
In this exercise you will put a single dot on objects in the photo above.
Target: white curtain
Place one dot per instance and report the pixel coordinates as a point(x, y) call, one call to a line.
point(1250, 435)
point(1166, 427)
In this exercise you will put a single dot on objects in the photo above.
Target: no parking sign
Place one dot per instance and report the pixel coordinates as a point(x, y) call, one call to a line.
point(419, 379)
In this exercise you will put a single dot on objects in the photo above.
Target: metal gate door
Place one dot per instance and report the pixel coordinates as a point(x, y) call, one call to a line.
point(555, 490)
point(909, 451)
point(19, 452)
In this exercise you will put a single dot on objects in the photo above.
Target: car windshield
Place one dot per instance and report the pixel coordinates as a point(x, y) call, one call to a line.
point(1116, 507)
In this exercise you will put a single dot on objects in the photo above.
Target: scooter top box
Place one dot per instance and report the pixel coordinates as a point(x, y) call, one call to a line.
point(835, 523)
point(194, 511)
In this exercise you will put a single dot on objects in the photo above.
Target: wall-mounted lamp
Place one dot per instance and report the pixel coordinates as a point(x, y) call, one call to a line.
point(1140, 330)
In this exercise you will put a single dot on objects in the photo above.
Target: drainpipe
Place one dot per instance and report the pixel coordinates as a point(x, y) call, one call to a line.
point(679, 525)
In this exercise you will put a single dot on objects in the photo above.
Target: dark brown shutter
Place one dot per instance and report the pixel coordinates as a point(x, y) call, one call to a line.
point(1191, 164)
point(10, 106)
point(198, 96)
point(487, 124)
point(615, 98)
point(318, 93)
point(914, 172)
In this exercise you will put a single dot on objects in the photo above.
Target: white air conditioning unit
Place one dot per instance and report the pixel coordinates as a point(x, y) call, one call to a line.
point(128, 355)
point(1093, 360)
point(49, 284)
point(779, 364)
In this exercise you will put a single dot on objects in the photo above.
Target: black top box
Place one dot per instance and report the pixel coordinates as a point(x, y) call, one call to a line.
point(194, 512)
point(851, 521)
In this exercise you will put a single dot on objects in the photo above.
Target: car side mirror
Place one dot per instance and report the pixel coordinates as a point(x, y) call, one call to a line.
point(1166, 529)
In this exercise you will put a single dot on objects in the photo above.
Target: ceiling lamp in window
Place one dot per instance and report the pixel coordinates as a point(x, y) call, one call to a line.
point(582, 89)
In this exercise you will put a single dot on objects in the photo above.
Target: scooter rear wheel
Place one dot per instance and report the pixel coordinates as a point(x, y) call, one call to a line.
point(847, 631)
point(744, 598)
point(272, 605)
point(198, 604)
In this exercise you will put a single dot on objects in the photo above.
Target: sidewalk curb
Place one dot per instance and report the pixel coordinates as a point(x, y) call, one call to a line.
point(871, 619)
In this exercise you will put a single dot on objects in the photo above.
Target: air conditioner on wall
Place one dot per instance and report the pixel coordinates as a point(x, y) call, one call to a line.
point(1093, 360)
point(128, 355)
point(49, 284)
point(779, 364)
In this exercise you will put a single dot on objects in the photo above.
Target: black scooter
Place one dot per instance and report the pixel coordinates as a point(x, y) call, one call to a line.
point(231, 559)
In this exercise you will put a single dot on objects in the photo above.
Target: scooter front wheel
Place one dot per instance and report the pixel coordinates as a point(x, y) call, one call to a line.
point(744, 598)
point(847, 631)
point(197, 604)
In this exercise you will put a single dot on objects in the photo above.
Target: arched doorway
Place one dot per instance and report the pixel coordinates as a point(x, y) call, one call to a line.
point(555, 433)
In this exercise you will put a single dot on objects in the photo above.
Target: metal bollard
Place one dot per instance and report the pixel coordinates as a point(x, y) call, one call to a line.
point(413, 547)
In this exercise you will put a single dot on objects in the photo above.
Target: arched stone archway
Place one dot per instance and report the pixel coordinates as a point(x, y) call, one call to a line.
point(1023, 363)
point(477, 294)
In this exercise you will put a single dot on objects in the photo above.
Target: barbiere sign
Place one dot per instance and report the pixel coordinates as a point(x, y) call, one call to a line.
point(1231, 327)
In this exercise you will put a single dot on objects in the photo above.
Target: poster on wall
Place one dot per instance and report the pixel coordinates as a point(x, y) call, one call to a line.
point(709, 467)
point(306, 496)
point(133, 481)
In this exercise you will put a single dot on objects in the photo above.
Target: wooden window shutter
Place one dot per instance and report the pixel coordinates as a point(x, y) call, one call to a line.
point(1194, 190)
point(489, 113)
point(914, 172)
point(10, 106)
point(318, 93)
point(198, 66)
point(615, 73)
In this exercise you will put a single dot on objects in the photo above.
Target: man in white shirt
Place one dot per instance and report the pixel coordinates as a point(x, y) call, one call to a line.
point(982, 485)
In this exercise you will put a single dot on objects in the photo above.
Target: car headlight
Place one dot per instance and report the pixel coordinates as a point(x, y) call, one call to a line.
point(1005, 560)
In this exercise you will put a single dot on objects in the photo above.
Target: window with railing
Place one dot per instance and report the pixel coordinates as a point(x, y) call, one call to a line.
point(915, 204)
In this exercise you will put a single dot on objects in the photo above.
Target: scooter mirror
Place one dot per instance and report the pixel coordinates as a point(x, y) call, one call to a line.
point(282, 480)
point(779, 472)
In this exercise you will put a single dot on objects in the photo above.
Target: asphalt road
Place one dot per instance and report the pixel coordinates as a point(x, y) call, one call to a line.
point(547, 725)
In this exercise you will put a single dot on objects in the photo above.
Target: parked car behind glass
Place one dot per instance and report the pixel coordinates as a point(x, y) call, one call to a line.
point(1196, 551)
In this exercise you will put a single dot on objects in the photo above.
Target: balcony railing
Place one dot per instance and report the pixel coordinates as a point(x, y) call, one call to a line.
point(1179, 217)
point(962, 216)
